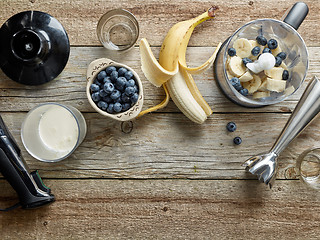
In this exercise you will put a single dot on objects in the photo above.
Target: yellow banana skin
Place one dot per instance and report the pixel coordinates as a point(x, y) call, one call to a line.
point(172, 72)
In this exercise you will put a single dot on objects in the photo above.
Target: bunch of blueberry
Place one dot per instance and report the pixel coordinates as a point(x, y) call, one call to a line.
point(114, 90)
point(235, 82)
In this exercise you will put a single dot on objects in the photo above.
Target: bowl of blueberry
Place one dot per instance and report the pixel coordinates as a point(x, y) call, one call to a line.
point(263, 62)
point(114, 89)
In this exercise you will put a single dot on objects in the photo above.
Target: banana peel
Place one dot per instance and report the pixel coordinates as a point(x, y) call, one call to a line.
point(172, 72)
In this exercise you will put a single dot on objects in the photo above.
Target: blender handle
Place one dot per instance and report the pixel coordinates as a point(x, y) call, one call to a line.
point(297, 14)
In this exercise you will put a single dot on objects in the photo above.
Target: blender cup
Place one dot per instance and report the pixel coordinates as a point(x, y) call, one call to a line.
point(289, 41)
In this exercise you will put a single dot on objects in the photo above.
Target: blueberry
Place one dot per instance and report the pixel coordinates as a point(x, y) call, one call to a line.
point(113, 76)
point(106, 80)
point(110, 108)
point(108, 87)
point(135, 88)
point(266, 50)
point(102, 93)
point(122, 71)
point(126, 106)
point(125, 98)
point(129, 91)
point(94, 87)
point(235, 82)
point(128, 75)
point(232, 52)
point(255, 51)
point(107, 99)
point(134, 98)
point(246, 60)
point(278, 61)
point(117, 107)
point(130, 83)
point(101, 75)
point(282, 55)
point(244, 92)
point(95, 97)
point(272, 44)
point(261, 40)
point(121, 82)
point(103, 105)
point(237, 140)
point(285, 75)
point(97, 82)
point(231, 126)
point(110, 69)
point(115, 94)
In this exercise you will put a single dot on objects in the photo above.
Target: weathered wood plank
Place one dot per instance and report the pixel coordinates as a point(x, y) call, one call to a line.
point(170, 146)
point(156, 17)
point(69, 87)
point(166, 209)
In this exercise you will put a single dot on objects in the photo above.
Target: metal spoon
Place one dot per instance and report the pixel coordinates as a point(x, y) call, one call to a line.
point(265, 165)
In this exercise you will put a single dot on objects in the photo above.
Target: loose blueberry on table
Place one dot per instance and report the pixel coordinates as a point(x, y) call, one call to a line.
point(231, 126)
point(114, 90)
point(237, 140)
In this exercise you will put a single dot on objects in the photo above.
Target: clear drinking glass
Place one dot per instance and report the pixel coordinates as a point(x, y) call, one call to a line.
point(51, 132)
point(118, 30)
point(308, 166)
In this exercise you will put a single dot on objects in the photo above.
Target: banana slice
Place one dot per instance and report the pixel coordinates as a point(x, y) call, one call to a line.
point(284, 66)
point(229, 75)
point(236, 67)
point(246, 77)
point(253, 85)
point(257, 95)
point(263, 85)
point(276, 50)
point(243, 47)
point(276, 85)
point(275, 73)
point(289, 90)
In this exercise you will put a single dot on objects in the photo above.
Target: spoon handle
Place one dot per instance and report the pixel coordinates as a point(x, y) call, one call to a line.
point(306, 110)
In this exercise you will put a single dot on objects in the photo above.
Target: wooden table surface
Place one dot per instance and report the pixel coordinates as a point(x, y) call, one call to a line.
point(162, 176)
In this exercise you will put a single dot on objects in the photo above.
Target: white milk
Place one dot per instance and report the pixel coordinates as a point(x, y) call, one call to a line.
point(58, 130)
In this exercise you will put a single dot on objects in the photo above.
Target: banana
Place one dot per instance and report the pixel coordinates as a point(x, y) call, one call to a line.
point(289, 90)
point(263, 86)
point(243, 47)
point(261, 94)
point(253, 85)
point(172, 72)
point(236, 67)
point(275, 73)
point(276, 50)
point(246, 77)
point(276, 85)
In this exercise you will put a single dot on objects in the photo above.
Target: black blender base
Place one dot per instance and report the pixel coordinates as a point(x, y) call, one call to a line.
point(34, 47)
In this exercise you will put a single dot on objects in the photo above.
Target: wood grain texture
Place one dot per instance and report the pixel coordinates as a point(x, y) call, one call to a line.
point(170, 146)
point(80, 17)
point(69, 86)
point(166, 209)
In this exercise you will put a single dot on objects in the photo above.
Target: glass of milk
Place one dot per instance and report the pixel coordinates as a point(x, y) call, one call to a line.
point(51, 132)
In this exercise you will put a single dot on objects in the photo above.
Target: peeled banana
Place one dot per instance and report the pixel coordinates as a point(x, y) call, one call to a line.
point(172, 72)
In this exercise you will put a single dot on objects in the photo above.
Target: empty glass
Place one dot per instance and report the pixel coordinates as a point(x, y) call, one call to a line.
point(118, 30)
point(308, 166)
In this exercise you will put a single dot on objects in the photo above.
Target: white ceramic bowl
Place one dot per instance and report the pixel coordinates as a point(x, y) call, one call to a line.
point(97, 66)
